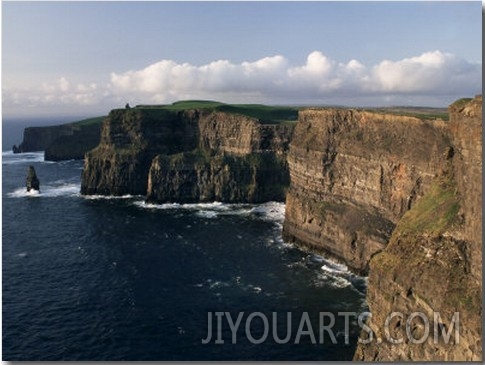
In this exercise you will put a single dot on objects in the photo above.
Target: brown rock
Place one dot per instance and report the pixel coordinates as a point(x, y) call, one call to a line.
point(433, 261)
point(353, 175)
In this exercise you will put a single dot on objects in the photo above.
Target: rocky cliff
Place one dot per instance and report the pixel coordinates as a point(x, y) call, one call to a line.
point(38, 138)
point(62, 142)
point(130, 139)
point(400, 192)
point(189, 156)
point(433, 261)
point(353, 175)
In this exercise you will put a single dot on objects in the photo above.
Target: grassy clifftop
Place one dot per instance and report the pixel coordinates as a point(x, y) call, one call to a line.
point(265, 113)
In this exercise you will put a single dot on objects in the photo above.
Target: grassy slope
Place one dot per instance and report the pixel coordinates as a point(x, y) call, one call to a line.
point(265, 113)
point(90, 121)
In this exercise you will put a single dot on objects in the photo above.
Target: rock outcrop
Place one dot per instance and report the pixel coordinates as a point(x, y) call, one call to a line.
point(62, 142)
point(433, 261)
point(39, 138)
point(74, 146)
point(189, 156)
point(32, 181)
point(130, 139)
point(353, 175)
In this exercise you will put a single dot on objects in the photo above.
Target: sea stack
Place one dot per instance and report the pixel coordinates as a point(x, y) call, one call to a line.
point(32, 180)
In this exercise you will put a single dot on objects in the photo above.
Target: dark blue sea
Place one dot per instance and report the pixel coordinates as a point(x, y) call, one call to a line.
point(99, 278)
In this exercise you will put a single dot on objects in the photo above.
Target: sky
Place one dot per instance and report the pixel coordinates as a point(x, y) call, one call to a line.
point(85, 58)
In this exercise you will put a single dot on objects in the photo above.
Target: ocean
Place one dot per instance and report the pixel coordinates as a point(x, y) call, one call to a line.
point(105, 278)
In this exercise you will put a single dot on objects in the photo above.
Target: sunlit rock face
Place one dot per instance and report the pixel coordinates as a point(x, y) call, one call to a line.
point(353, 175)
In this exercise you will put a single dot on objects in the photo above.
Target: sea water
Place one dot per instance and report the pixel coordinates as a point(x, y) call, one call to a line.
point(105, 278)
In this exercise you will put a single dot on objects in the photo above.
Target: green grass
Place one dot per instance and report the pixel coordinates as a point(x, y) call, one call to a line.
point(422, 113)
point(184, 105)
point(264, 113)
point(460, 102)
point(90, 121)
point(433, 213)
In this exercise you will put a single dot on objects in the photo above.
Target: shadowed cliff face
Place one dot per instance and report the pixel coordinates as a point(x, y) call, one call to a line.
point(194, 177)
point(39, 138)
point(189, 156)
point(353, 175)
point(130, 139)
point(62, 142)
point(238, 160)
point(433, 261)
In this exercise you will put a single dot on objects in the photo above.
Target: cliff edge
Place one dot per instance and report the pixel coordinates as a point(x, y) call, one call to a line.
point(353, 175)
point(189, 155)
point(432, 264)
point(62, 142)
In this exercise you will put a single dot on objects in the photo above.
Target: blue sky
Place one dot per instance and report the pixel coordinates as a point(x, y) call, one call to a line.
point(89, 57)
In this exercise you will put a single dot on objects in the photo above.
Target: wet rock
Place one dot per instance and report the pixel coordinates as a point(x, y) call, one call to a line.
point(32, 181)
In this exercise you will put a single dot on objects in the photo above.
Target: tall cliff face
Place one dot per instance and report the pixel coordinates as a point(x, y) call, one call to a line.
point(238, 160)
point(130, 139)
point(39, 138)
point(353, 175)
point(189, 156)
point(241, 135)
point(73, 146)
point(62, 142)
point(197, 177)
point(466, 129)
point(433, 261)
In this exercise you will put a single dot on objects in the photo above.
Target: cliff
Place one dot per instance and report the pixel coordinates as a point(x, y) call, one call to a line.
point(130, 139)
point(75, 144)
point(38, 138)
point(398, 197)
point(353, 175)
point(62, 142)
point(189, 155)
point(433, 261)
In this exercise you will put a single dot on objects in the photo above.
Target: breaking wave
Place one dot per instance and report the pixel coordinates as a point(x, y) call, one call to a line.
point(271, 211)
point(339, 276)
point(9, 158)
point(110, 197)
point(53, 190)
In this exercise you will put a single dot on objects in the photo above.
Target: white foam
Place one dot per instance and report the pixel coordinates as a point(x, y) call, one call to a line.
point(67, 189)
point(271, 211)
point(109, 197)
point(334, 267)
point(339, 282)
point(207, 214)
point(47, 191)
point(22, 193)
point(9, 158)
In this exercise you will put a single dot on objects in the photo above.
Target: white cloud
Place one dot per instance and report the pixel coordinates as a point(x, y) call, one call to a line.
point(427, 77)
point(431, 72)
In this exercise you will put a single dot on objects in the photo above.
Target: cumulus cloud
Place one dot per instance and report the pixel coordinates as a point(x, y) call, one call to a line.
point(59, 92)
point(427, 77)
point(433, 73)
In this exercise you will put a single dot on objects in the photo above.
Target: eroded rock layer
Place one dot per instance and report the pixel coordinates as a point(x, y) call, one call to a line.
point(353, 175)
point(189, 156)
point(432, 264)
point(130, 139)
